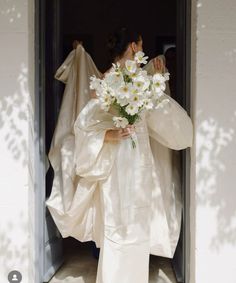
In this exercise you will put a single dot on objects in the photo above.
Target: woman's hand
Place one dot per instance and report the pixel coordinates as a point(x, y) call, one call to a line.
point(76, 43)
point(159, 65)
point(119, 134)
point(93, 93)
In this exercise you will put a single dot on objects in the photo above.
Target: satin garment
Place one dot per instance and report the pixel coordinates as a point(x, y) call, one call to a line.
point(113, 194)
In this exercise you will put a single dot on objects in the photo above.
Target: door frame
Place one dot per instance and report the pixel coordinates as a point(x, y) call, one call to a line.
point(39, 147)
point(42, 272)
point(187, 49)
point(39, 126)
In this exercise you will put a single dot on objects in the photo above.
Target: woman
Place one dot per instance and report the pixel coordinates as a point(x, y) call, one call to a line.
point(117, 199)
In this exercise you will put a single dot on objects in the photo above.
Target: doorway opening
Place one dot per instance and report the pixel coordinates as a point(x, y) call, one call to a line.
point(165, 28)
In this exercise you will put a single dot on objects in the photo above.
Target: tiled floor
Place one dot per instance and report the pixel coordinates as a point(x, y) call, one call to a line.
point(80, 267)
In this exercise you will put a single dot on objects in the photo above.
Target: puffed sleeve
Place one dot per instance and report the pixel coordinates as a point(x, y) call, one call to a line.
point(170, 125)
point(93, 157)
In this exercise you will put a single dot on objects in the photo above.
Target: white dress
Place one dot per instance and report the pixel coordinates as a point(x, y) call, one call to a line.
point(111, 192)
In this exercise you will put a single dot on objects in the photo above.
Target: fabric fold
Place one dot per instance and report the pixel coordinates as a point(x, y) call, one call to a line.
point(73, 203)
point(93, 157)
point(170, 125)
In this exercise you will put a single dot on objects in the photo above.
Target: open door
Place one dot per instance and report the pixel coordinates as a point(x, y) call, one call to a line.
point(53, 42)
point(183, 31)
point(49, 247)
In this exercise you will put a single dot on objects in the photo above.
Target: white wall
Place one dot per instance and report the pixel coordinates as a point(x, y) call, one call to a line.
point(213, 193)
point(16, 185)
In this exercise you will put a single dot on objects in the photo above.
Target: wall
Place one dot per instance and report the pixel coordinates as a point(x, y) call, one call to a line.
point(16, 133)
point(213, 194)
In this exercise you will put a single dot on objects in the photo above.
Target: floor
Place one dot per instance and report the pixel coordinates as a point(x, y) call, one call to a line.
point(80, 266)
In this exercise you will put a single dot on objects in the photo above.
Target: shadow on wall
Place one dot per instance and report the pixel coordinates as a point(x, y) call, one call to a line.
point(14, 115)
point(15, 110)
point(14, 247)
point(11, 10)
point(216, 134)
point(14, 106)
point(213, 142)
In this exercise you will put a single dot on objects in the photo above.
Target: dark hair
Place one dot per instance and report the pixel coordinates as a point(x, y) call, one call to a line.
point(119, 40)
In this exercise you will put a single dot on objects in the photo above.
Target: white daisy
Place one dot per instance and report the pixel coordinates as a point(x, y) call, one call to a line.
point(158, 83)
point(159, 78)
point(141, 83)
point(96, 84)
point(140, 58)
point(120, 122)
point(124, 90)
point(131, 66)
point(148, 104)
point(167, 76)
point(114, 79)
point(132, 109)
point(106, 101)
point(136, 100)
point(122, 101)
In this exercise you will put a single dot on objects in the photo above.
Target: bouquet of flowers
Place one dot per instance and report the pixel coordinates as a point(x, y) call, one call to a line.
point(130, 90)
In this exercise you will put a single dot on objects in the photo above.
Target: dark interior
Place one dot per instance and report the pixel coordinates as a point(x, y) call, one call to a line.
point(91, 22)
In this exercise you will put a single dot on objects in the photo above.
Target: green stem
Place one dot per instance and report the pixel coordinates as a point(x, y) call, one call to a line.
point(133, 142)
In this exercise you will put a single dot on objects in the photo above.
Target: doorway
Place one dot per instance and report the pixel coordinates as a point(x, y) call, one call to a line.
point(164, 25)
